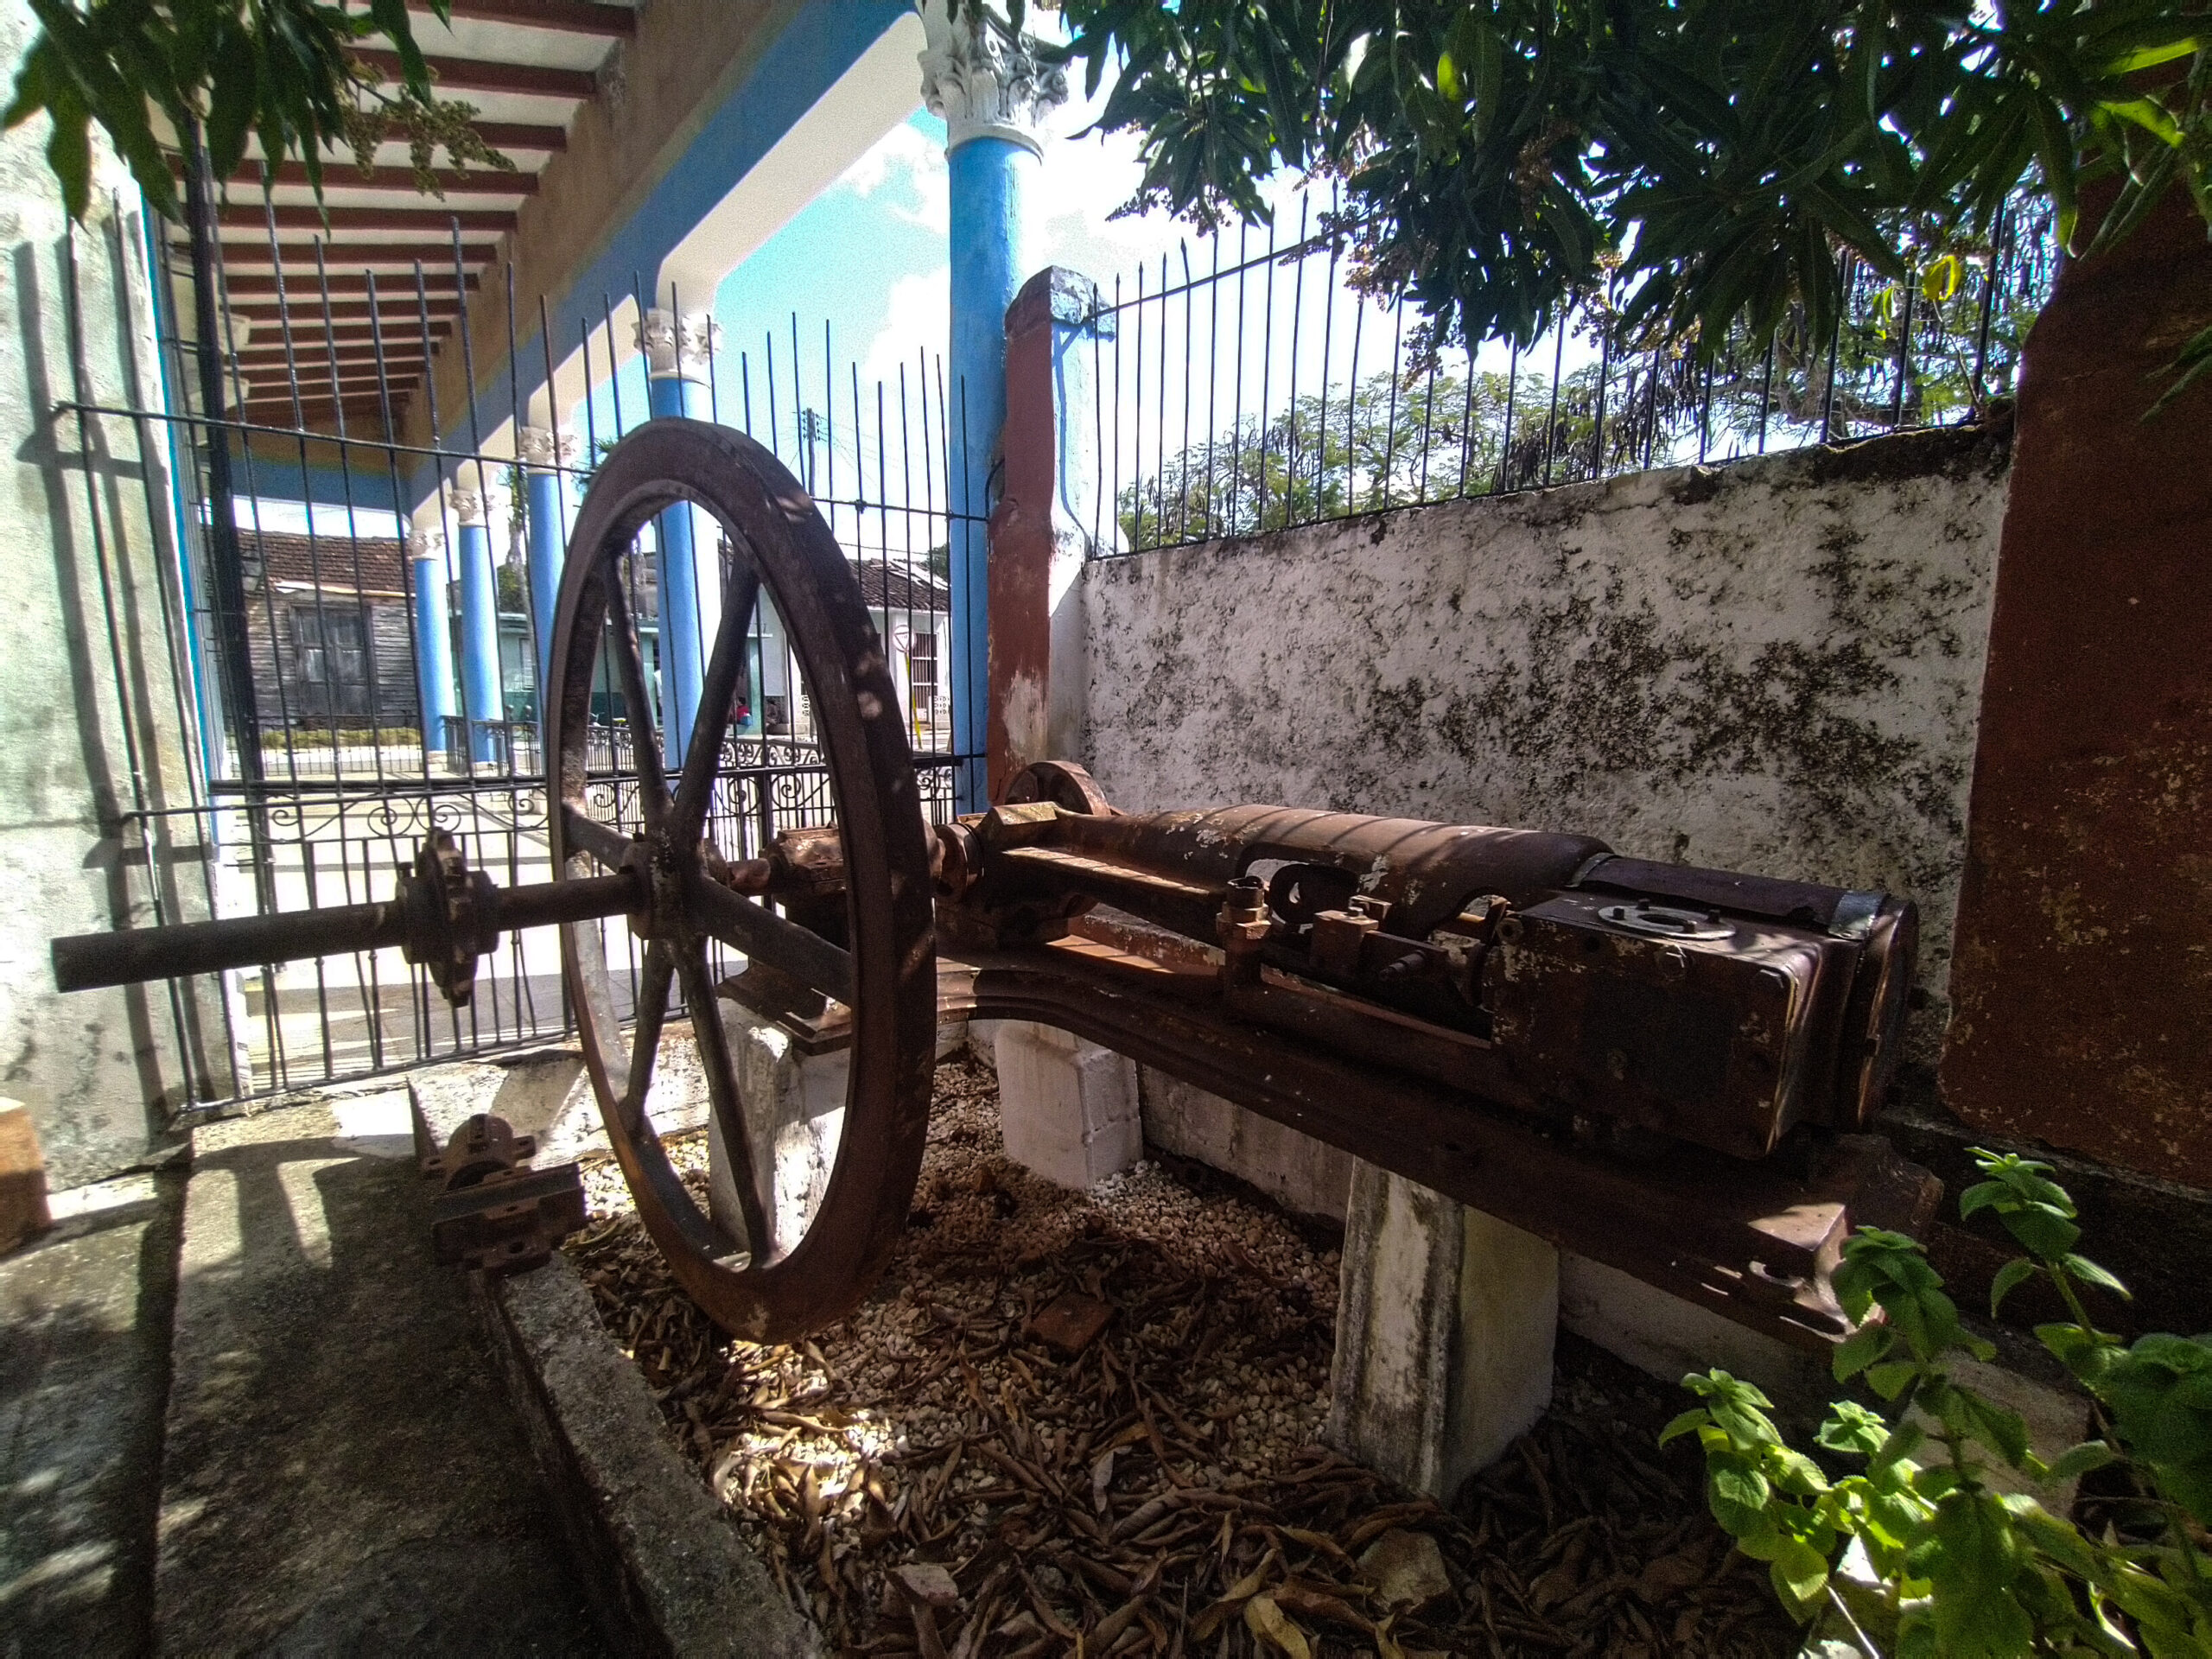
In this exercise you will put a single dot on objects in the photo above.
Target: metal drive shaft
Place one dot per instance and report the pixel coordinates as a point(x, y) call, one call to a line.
point(91, 960)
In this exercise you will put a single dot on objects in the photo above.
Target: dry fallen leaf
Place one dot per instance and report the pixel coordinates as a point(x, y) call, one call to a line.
point(1407, 1569)
point(1269, 1624)
point(930, 1428)
point(926, 1581)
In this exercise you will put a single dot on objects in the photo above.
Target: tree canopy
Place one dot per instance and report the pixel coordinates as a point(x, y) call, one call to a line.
point(1713, 162)
point(284, 72)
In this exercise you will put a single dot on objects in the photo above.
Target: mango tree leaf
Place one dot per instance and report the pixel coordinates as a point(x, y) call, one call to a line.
point(2009, 1278)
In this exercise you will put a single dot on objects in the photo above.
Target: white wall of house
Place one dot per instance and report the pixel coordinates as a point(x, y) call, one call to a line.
point(89, 731)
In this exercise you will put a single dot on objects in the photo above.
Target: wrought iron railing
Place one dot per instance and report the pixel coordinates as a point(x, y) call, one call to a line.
point(1245, 385)
point(314, 784)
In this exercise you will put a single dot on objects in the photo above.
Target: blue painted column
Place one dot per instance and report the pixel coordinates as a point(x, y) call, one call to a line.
point(691, 566)
point(993, 96)
point(479, 630)
point(544, 452)
point(426, 551)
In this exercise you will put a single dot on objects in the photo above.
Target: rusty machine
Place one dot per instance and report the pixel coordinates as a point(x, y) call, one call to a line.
point(1668, 1070)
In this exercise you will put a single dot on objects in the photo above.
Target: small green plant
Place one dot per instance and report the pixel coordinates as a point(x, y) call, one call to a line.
point(1962, 1566)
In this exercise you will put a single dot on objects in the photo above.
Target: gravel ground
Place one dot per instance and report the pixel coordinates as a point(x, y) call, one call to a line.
point(931, 1476)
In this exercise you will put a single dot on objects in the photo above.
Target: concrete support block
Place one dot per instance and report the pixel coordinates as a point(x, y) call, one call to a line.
point(22, 1178)
point(1068, 1108)
point(794, 1116)
point(1444, 1334)
point(1306, 1176)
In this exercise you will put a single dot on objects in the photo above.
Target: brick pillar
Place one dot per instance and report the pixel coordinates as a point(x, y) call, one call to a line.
point(2082, 982)
point(1044, 525)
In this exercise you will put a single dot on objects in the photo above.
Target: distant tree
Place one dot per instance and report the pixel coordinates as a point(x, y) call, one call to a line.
point(1430, 434)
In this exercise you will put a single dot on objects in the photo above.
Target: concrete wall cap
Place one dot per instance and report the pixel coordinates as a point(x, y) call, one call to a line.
point(1060, 296)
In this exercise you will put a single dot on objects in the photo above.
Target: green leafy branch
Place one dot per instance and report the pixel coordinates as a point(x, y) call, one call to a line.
point(1963, 1566)
point(284, 72)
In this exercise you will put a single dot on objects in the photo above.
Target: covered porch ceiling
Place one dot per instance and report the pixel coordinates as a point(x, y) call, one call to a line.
point(305, 337)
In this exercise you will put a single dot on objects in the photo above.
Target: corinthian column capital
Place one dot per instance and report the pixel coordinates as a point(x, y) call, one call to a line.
point(983, 82)
point(677, 347)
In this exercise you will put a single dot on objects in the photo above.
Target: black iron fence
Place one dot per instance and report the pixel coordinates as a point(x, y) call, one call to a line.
point(1244, 385)
point(322, 760)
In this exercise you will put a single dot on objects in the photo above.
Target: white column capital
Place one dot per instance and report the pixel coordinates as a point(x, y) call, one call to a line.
point(425, 544)
point(984, 82)
point(677, 347)
point(543, 449)
point(468, 507)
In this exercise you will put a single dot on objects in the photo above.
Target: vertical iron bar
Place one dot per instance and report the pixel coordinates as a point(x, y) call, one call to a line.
point(1512, 388)
point(1997, 252)
point(1267, 366)
point(1766, 392)
point(1213, 380)
point(1236, 391)
point(1551, 421)
point(1835, 345)
point(226, 575)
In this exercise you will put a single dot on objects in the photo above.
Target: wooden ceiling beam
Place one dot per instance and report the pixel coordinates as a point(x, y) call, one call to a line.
point(339, 174)
point(559, 16)
point(314, 357)
point(431, 215)
point(299, 265)
point(393, 288)
point(488, 75)
point(521, 134)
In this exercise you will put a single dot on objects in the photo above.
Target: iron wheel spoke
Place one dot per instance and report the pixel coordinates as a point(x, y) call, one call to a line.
point(721, 1091)
point(650, 1012)
point(726, 670)
point(587, 835)
point(645, 732)
point(760, 933)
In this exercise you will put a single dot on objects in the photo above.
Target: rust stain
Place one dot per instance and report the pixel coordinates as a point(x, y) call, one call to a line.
point(2083, 976)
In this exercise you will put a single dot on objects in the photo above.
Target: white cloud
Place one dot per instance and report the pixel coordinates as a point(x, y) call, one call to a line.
point(907, 167)
point(917, 313)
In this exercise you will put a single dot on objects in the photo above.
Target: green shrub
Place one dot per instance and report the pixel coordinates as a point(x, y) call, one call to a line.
point(1963, 1568)
point(303, 736)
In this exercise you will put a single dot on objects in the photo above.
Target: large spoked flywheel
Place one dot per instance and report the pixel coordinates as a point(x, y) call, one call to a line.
point(763, 1287)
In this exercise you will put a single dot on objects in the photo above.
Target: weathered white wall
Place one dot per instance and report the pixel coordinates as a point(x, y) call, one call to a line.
point(87, 637)
point(1773, 666)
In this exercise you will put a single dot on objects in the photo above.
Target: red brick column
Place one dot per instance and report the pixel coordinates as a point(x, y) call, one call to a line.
point(1040, 529)
point(2082, 981)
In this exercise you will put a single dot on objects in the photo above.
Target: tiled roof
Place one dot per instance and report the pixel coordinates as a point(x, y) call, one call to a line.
point(338, 563)
point(900, 586)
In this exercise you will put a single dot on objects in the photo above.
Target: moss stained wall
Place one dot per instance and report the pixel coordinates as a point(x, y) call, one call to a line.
point(89, 707)
point(1774, 666)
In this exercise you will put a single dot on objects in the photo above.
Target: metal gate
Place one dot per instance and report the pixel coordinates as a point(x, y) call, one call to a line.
point(313, 781)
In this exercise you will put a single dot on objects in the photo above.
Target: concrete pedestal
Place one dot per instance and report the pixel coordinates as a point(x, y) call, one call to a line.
point(794, 1114)
point(1068, 1108)
point(1444, 1334)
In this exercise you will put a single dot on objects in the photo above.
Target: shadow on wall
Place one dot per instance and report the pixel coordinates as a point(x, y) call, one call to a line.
point(92, 728)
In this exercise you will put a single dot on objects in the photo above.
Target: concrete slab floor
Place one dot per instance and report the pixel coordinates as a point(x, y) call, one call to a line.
point(342, 1472)
point(84, 1368)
